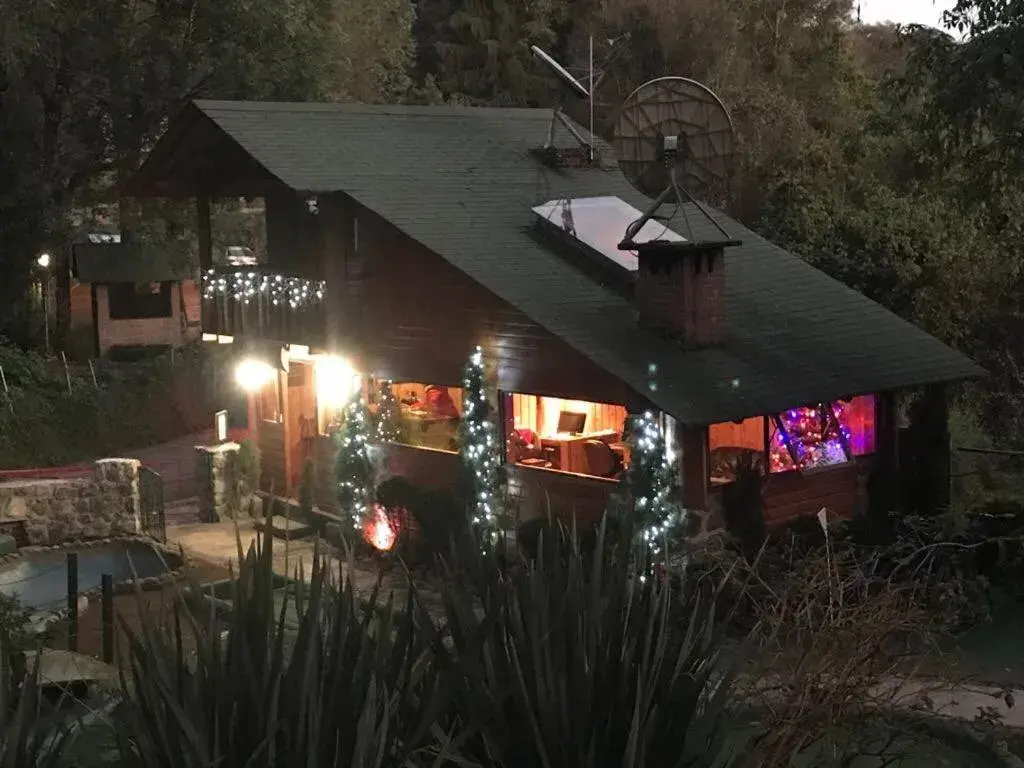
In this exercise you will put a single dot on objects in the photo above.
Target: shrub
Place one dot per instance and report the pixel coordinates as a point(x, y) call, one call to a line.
point(43, 422)
point(743, 506)
point(440, 517)
point(568, 661)
point(309, 676)
point(247, 468)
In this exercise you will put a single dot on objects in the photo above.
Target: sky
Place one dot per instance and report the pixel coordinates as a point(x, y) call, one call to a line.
point(904, 11)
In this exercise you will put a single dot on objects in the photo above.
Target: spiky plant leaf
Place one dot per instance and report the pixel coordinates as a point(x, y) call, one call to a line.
point(572, 661)
point(308, 677)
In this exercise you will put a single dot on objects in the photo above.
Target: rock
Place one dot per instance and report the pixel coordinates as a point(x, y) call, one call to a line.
point(7, 545)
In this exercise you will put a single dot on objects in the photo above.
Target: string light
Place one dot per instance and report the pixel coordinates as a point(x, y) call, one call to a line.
point(354, 468)
point(652, 481)
point(478, 449)
point(245, 286)
point(810, 437)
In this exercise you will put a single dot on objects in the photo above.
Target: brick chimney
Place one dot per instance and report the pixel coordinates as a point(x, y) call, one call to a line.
point(680, 290)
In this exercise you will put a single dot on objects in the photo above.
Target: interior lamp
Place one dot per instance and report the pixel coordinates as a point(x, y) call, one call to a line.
point(336, 381)
point(252, 374)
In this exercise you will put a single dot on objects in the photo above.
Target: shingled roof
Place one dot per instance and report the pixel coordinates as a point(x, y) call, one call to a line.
point(461, 181)
point(116, 262)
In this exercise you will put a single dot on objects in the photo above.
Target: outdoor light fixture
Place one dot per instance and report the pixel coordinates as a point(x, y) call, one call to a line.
point(220, 420)
point(253, 374)
point(336, 381)
point(43, 260)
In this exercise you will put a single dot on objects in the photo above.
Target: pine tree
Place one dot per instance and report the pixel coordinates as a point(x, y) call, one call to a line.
point(479, 451)
point(390, 424)
point(353, 466)
point(651, 479)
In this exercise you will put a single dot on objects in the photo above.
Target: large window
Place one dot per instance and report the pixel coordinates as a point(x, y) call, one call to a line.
point(805, 438)
point(134, 301)
point(574, 436)
point(428, 415)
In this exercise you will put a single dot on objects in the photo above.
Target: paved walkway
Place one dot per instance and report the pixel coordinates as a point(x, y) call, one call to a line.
point(217, 543)
point(175, 462)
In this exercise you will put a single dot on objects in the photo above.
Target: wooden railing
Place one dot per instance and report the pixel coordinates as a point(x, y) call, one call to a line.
point(259, 303)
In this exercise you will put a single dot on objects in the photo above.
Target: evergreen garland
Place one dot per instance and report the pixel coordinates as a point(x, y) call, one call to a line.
point(479, 451)
point(652, 482)
point(353, 469)
point(390, 424)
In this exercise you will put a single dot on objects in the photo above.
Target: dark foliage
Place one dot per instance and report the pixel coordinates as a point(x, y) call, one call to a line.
point(743, 506)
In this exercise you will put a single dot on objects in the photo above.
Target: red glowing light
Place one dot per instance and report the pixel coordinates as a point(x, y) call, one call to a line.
point(380, 531)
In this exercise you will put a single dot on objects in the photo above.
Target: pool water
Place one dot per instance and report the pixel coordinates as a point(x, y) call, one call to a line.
point(40, 579)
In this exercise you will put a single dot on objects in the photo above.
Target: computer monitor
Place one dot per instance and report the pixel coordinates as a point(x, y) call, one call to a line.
point(572, 423)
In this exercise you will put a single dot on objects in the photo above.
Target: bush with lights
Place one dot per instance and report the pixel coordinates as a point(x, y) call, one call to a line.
point(652, 482)
point(479, 450)
point(354, 469)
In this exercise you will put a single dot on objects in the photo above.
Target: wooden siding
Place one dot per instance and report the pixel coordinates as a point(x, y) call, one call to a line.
point(426, 467)
point(410, 315)
point(540, 492)
point(273, 473)
point(791, 495)
point(541, 413)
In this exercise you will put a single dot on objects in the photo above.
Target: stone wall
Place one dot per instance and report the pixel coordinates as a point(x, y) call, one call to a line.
point(50, 512)
point(223, 493)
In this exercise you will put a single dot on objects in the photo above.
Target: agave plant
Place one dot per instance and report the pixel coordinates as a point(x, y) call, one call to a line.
point(29, 738)
point(575, 661)
point(317, 678)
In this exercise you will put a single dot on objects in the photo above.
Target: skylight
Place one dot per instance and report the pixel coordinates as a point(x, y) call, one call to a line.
point(600, 224)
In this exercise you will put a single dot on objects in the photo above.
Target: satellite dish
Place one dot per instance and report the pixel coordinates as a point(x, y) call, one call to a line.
point(674, 126)
point(674, 140)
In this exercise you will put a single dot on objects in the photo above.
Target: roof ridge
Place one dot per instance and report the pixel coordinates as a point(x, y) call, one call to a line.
point(434, 110)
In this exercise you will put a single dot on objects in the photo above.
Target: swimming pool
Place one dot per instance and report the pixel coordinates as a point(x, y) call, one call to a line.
point(40, 579)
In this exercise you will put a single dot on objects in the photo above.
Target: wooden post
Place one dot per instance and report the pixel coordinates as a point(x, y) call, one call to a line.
point(204, 233)
point(693, 465)
point(72, 601)
point(108, 618)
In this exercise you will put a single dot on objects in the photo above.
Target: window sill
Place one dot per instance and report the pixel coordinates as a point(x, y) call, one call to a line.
point(562, 473)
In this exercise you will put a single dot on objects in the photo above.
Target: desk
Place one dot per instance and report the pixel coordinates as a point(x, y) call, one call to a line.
point(571, 456)
point(429, 430)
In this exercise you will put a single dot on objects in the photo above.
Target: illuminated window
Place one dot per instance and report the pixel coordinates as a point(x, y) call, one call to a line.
point(732, 442)
point(799, 438)
point(821, 436)
point(428, 415)
point(575, 436)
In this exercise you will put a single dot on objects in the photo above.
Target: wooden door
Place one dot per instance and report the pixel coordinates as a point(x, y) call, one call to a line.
point(301, 415)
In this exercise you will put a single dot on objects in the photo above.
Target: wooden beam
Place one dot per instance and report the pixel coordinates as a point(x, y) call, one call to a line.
point(204, 232)
point(693, 465)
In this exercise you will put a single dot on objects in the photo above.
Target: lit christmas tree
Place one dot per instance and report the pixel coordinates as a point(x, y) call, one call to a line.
point(353, 469)
point(390, 424)
point(479, 451)
point(651, 479)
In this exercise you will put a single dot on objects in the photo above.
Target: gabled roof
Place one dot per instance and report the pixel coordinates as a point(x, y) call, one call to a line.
point(117, 262)
point(461, 181)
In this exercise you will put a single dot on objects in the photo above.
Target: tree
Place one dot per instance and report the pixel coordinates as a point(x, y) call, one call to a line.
point(478, 50)
point(651, 479)
point(390, 424)
point(354, 471)
point(85, 88)
point(479, 451)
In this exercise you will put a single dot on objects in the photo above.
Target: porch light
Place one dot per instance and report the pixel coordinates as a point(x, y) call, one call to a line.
point(336, 381)
point(253, 374)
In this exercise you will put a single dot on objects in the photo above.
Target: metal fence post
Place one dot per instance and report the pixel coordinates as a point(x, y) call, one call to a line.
point(108, 618)
point(72, 601)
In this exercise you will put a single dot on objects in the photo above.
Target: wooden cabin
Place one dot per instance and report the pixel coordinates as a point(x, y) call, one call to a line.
point(125, 298)
point(400, 237)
